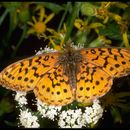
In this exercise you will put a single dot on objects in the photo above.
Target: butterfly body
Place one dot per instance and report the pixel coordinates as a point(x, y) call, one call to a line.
point(70, 60)
point(59, 78)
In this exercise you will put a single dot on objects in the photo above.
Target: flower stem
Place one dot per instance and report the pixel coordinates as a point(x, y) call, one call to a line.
point(3, 16)
point(63, 17)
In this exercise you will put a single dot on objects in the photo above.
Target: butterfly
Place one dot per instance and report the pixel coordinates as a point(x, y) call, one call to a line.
point(59, 78)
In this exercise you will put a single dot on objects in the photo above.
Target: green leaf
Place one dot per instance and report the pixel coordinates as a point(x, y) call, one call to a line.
point(3, 16)
point(96, 43)
point(112, 31)
point(52, 6)
point(5, 106)
point(63, 16)
point(24, 15)
point(12, 5)
point(71, 19)
point(116, 115)
point(81, 37)
point(88, 9)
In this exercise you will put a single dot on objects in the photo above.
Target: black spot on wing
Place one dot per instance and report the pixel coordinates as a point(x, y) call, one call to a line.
point(20, 77)
point(26, 79)
point(46, 58)
point(30, 62)
point(117, 65)
point(93, 51)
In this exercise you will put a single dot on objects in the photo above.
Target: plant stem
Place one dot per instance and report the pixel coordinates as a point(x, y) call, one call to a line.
point(63, 17)
point(3, 16)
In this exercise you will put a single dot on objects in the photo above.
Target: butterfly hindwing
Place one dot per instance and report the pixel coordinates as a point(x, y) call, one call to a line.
point(92, 82)
point(54, 88)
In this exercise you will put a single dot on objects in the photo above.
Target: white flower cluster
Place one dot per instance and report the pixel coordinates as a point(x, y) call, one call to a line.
point(25, 117)
point(78, 119)
point(46, 49)
point(20, 98)
point(93, 114)
point(71, 119)
point(28, 120)
point(78, 46)
point(48, 111)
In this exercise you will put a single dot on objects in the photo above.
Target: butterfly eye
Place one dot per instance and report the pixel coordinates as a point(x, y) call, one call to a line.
point(62, 59)
point(77, 57)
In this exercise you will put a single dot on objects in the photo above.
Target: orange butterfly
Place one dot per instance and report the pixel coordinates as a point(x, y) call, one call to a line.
point(59, 78)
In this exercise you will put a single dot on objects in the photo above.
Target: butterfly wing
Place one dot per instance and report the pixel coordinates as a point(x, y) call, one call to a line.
point(92, 82)
point(24, 74)
point(97, 70)
point(54, 88)
point(115, 61)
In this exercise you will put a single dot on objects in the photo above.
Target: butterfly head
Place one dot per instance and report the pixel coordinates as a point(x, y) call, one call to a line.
point(70, 55)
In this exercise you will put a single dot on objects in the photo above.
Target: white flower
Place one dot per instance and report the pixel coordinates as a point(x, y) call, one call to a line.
point(40, 51)
point(48, 111)
point(94, 113)
point(20, 98)
point(78, 119)
point(61, 123)
point(46, 49)
point(28, 120)
point(71, 119)
point(78, 46)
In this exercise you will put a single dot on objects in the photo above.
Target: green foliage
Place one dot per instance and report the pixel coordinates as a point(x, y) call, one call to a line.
point(5, 106)
point(87, 9)
point(112, 31)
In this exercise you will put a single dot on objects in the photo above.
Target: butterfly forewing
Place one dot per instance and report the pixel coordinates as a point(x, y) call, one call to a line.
point(24, 74)
point(114, 61)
